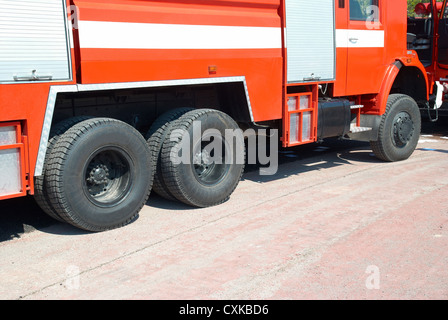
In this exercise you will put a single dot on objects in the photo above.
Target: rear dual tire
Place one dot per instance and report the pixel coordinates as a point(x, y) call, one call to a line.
point(156, 137)
point(99, 174)
point(201, 179)
point(40, 186)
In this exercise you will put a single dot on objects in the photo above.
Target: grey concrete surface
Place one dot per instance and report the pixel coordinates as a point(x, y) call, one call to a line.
point(333, 223)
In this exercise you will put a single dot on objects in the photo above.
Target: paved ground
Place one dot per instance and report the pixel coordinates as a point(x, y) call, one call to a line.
point(334, 223)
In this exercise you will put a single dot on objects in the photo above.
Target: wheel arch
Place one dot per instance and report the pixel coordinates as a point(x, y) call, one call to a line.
point(409, 79)
point(148, 101)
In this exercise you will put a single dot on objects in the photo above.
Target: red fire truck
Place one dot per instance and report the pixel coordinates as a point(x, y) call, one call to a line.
point(91, 92)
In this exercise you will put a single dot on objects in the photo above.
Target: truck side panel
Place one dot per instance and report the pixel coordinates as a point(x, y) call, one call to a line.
point(123, 41)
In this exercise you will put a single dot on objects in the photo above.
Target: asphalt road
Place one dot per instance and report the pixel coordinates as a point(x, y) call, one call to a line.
point(333, 223)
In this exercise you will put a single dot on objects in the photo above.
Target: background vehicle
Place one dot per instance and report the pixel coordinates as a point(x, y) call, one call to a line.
point(428, 36)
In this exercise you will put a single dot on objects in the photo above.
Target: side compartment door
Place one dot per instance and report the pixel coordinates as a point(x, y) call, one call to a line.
point(310, 40)
point(34, 43)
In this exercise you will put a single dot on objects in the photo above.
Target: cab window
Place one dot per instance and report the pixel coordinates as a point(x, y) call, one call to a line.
point(421, 29)
point(362, 10)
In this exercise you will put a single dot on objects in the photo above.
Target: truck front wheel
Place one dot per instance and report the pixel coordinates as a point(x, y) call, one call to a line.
point(399, 129)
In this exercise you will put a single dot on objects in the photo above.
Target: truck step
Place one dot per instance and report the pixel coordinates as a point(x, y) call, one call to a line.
point(357, 106)
point(356, 129)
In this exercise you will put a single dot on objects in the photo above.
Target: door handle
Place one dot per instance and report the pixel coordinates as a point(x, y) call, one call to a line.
point(33, 77)
point(312, 77)
point(353, 40)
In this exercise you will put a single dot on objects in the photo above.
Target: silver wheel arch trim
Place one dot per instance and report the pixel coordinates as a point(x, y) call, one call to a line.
point(54, 90)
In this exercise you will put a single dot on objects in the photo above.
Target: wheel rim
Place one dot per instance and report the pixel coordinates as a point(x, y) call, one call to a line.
point(107, 177)
point(209, 167)
point(403, 129)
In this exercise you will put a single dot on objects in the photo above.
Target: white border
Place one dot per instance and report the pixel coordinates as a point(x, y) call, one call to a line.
point(348, 38)
point(127, 35)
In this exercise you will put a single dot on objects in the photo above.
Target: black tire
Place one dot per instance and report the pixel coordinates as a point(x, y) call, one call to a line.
point(399, 129)
point(202, 183)
point(99, 174)
point(40, 185)
point(155, 137)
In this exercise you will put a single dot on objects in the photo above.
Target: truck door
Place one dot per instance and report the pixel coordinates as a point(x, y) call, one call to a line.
point(365, 41)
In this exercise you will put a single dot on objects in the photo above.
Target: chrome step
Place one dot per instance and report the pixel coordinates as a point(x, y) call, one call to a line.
point(356, 106)
point(356, 129)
